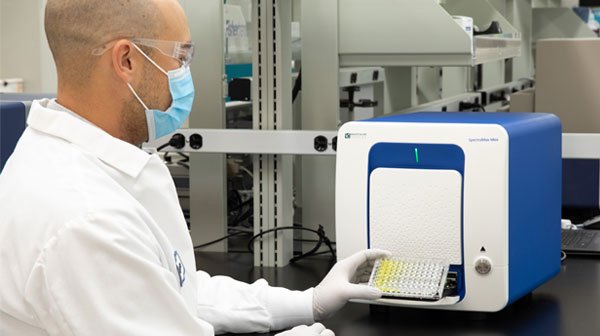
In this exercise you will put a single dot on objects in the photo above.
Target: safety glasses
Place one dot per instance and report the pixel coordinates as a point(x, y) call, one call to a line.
point(183, 52)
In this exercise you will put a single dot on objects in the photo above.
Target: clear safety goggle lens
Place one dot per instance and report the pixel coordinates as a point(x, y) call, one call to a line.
point(183, 52)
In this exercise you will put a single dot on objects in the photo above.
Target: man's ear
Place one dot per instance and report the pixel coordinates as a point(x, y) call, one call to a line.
point(123, 60)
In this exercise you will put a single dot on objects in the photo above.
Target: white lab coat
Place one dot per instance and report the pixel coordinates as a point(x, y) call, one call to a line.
point(93, 242)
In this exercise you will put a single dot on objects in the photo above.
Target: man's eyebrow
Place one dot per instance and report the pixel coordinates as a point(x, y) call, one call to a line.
point(187, 45)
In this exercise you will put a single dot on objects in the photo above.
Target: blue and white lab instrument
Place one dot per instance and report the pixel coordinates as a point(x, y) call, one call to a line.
point(481, 191)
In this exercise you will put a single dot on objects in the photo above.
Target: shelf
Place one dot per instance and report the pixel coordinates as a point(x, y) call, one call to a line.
point(446, 104)
point(361, 76)
point(489, 48)
point(420, 33)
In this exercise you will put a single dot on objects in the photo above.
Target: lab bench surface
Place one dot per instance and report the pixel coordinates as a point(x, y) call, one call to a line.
point(569, 304)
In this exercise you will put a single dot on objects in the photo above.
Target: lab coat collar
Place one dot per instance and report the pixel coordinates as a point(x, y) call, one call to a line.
point(66, 125)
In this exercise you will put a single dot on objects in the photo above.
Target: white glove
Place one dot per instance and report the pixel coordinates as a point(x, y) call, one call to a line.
point(316, 329)
point(342, 283)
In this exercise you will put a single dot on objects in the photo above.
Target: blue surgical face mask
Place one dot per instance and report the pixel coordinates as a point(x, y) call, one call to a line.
point(161, 123)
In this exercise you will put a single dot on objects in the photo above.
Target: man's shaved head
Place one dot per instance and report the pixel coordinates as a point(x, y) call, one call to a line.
point(75, 27)
point(102, 76)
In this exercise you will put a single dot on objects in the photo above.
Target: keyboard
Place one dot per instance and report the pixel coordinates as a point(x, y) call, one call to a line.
point(577, 238)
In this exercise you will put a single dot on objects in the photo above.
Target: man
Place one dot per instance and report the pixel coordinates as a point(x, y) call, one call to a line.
point(92, 239)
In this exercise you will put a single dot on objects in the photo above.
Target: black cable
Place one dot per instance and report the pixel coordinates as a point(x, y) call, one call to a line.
point(326, 240)
point(243, 204)
point(242, 216)
point(239, 219)
point(310, 241)
point(234, 200)
point(320, 253)
point(310, 252)
point(237, 233)
point(163, 146)
point(320, 232)
point(167, 158)
point(463, 106)
point(241, 230)
point(177, 141)
point(328, 243)
point(186, 158)
point(282, 228)
point(323, 239)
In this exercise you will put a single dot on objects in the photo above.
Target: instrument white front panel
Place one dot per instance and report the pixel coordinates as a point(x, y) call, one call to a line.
point(416, 213)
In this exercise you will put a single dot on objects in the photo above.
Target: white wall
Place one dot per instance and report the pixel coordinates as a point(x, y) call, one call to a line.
point(24, 51)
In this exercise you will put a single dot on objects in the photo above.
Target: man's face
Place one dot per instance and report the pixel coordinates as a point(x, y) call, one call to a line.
point(153, 84)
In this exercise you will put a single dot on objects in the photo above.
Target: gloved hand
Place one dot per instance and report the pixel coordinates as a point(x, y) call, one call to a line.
point(341, 283)
point(316, 329)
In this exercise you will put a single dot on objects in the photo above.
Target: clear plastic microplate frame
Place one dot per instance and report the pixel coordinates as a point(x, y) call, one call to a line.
point(420, 279)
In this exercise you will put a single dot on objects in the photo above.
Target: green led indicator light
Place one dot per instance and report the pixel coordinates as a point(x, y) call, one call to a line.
point(417, 154)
